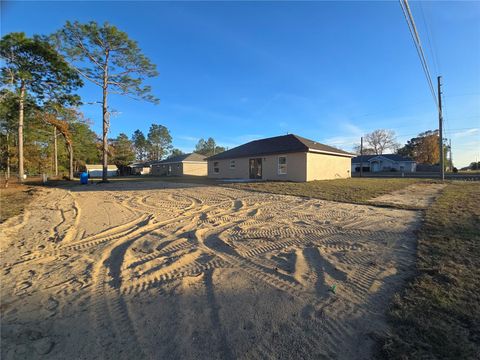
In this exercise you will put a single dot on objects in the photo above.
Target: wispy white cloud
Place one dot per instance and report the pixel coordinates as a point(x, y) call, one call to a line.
point(343, 142)
point(187, 138)
point(205, 114)
point(349, 135)
point(231, 142)
point(464, 133)
point(466, 147)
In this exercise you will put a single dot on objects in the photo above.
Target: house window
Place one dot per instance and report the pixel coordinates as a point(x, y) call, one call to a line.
point(282, 165)
point(216, 169)
point(232, 164)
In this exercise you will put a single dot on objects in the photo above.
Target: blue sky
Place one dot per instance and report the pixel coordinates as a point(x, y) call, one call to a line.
point(329, 71)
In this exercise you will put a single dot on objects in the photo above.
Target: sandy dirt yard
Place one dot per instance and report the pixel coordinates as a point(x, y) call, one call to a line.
point(172, 271)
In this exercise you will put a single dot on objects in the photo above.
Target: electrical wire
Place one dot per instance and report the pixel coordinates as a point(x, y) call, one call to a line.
point(418, 46)
point(429, 33)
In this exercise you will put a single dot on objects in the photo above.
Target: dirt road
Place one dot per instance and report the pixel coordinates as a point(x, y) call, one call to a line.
point(172, 271)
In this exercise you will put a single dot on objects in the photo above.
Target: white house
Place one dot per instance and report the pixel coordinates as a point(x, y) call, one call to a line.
point(384, 162)
point(96, 170)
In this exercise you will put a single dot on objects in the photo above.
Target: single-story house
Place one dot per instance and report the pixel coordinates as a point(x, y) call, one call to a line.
point(384, 162)
point(187, 164)
point(288, 157)
point(96, 170)
point(140, 168)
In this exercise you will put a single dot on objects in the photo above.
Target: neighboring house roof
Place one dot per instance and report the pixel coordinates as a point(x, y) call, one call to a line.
point(278, 145)
point(100, 166)
point(182, 158)
point(391, 157)
point(139, 165)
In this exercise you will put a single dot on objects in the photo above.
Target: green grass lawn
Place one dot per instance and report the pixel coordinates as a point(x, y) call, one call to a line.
point(438, 314)
point(353, 190)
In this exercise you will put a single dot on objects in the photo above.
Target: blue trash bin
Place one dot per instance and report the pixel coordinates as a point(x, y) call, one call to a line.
point(84, 178)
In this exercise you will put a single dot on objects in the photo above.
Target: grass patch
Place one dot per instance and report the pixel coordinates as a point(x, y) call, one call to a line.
point(438, 314)
point(353, 190)
point(14, 199)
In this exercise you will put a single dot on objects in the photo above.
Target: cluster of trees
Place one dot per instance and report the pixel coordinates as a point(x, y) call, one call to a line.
point(153, 147)
point(423, 148)
point(473, 166)
point(40, 76)
point(208, 147)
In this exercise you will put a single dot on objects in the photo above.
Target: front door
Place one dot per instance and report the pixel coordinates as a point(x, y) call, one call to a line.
point(256, 168)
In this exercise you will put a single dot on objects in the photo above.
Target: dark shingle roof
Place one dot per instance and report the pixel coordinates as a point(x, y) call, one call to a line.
point(277, 145)
point(392, 157)
point(184, 157)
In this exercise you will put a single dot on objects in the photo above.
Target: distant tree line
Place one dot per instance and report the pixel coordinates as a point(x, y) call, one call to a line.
point(157, 145)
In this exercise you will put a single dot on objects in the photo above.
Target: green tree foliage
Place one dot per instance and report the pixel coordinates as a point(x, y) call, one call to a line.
point(175, 152)
point(423, 148)
point(85, 145)
point(32, 65)
point(474, 165)
point(160, 141)
point(108, 58)
point(140, 144)
point(39, 137)
point(208, 147)
point(8, 129)
point(123, 152)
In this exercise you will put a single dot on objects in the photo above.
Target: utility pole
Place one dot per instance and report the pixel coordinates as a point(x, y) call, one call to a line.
point(450, 150)
point(361, 156)
point(440, 128)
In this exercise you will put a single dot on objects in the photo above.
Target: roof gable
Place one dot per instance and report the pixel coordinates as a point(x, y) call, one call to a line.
point(184, 157)
point(391, 157)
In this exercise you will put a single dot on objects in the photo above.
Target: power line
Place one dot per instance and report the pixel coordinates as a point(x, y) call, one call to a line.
point(418, 45)
point(429, 33)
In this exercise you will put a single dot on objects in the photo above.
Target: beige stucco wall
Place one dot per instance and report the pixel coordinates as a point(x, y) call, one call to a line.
point(197, 169)
point(325, 167)
point(296, 168)
point(162, 169)
point(300, 167)
point(180, 169)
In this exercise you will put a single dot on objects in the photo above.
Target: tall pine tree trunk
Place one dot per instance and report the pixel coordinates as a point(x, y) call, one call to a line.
point(20, 132)
point(8, 157)
point(70, 155)
point(105, 119)
point(55, 151)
